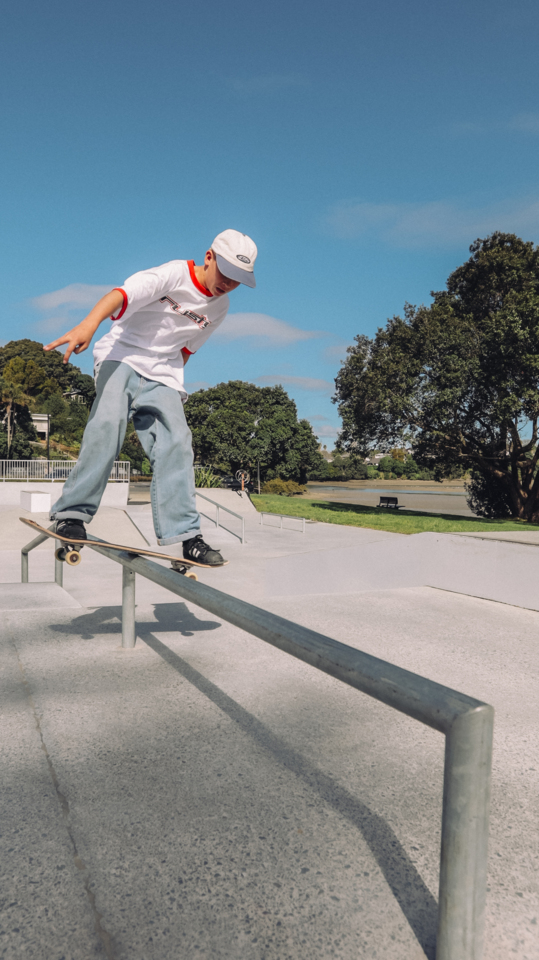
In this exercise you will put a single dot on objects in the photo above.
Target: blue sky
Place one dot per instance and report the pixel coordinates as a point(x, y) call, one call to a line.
point(363, 146)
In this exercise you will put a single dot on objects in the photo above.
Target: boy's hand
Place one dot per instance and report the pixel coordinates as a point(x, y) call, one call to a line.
point(77, 339)
point(80, 337)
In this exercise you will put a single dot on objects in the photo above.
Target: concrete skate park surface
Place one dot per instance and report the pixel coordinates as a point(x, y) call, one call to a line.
point(208, 796)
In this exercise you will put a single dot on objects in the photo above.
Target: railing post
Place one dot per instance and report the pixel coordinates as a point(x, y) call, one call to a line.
point(24, 568)
point(463, 867)
point(58, 572)
point(128, 608)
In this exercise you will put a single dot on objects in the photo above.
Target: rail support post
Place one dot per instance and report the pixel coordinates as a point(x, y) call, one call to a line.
point(128, 609)
point(463, 867)
point(58, 572)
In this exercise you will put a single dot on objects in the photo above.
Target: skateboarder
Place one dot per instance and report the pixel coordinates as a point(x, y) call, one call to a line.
point(161, 317)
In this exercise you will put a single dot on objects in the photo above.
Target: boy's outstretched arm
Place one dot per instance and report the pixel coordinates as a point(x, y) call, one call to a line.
point(79, 338)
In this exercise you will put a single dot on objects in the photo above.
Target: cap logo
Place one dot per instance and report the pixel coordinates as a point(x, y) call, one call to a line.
point(239, 256)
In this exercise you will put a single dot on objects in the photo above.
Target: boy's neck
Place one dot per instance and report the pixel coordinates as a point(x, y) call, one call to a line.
point(200, 274)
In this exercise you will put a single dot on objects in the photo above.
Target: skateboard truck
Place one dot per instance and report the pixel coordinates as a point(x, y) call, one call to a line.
point(180, 567)
point(70, 554)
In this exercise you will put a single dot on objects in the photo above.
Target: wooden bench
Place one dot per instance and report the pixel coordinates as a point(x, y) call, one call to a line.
point(392, 503)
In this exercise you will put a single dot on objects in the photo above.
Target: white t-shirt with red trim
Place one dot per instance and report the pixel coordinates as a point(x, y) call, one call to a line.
point(165, 310)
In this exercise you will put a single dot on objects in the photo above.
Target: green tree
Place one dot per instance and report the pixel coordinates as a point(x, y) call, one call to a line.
point(411, 468)
point(459, 378)
point(237, 425)
point(132, 451)
point(29, 355)
point(17, 427)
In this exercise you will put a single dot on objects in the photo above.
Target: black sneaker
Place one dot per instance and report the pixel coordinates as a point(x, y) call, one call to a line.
point(199, 552)
point(71, 529)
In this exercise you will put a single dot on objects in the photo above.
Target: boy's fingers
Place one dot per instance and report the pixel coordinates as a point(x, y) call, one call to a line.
point(56, 343)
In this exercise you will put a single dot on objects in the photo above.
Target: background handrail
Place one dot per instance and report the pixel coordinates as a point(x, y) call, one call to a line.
point(40, 470)
point(217, 521)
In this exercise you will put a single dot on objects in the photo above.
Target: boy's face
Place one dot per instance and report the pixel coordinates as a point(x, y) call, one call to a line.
point(214, 280)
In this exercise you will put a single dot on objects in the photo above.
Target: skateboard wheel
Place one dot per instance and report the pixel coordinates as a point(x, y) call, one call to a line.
point(60, 554)
point(73, 557)
point(191, 576)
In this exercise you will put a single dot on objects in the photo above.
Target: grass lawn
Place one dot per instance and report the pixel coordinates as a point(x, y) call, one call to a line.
point(354, 515)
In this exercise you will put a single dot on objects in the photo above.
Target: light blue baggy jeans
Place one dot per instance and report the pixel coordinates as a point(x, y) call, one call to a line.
point(159, 420)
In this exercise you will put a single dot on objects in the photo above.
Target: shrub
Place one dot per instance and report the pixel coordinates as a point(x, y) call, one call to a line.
point(284, 488)
point(205, 477)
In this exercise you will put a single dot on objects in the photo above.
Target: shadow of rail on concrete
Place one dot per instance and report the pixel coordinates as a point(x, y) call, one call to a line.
point(412, 894)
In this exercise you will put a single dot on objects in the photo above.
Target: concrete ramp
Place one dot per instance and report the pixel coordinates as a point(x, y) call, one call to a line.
point(34, 596)
point(238, 502)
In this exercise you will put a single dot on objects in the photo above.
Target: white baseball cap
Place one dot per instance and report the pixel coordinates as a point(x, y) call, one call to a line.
point(235, 253)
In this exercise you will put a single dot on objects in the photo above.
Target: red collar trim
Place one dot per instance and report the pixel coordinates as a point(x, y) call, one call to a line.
point(199, 286)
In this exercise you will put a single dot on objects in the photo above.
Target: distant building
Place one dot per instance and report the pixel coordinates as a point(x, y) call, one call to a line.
point(41, 424)
point(73, 396)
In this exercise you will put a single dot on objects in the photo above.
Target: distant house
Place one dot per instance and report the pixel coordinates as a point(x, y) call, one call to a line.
point(41, 424)
point(375, 458)
point(73, 396)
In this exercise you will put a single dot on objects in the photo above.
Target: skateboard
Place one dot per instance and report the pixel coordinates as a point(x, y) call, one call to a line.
point(70, 551)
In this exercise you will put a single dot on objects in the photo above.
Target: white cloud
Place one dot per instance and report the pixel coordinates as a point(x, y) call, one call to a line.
point(337, 351)
point(270, 330)
point(327, 431)
point(439, 222)
point(197, 385)
point(519, 123)
point(525, 123)
point(75, 295)
point(301, 383)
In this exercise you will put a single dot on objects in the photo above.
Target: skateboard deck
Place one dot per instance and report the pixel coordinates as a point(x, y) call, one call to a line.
point(70, 551)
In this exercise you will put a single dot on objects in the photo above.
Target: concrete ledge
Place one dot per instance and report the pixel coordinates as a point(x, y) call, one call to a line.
point(34, 596)
point(116, 494)
point(35, 501)
point(505, 572)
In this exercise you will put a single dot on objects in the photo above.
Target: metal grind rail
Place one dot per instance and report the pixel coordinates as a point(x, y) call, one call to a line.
point(217, 520)
point(281, 517)
point(466, 723)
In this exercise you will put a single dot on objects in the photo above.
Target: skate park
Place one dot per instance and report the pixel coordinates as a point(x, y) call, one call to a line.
point(204, 794)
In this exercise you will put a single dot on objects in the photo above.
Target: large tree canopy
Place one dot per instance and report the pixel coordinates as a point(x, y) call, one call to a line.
point(32, 380)
point(42, 374)
point(237, 425)
point(459, 379)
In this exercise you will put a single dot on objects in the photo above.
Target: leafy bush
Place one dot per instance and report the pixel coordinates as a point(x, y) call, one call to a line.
point(205, 477)
point(285, 488)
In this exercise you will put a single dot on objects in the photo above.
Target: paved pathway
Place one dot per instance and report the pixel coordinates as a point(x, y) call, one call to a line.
point(207, 796)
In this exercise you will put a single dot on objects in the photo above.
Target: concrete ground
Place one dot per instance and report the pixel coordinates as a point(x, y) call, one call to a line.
point(207, 796)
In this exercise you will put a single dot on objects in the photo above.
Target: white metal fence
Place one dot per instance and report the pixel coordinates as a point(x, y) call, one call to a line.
point(53, 470)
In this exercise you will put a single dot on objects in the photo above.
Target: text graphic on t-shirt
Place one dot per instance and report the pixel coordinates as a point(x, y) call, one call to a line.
point(201, 321)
